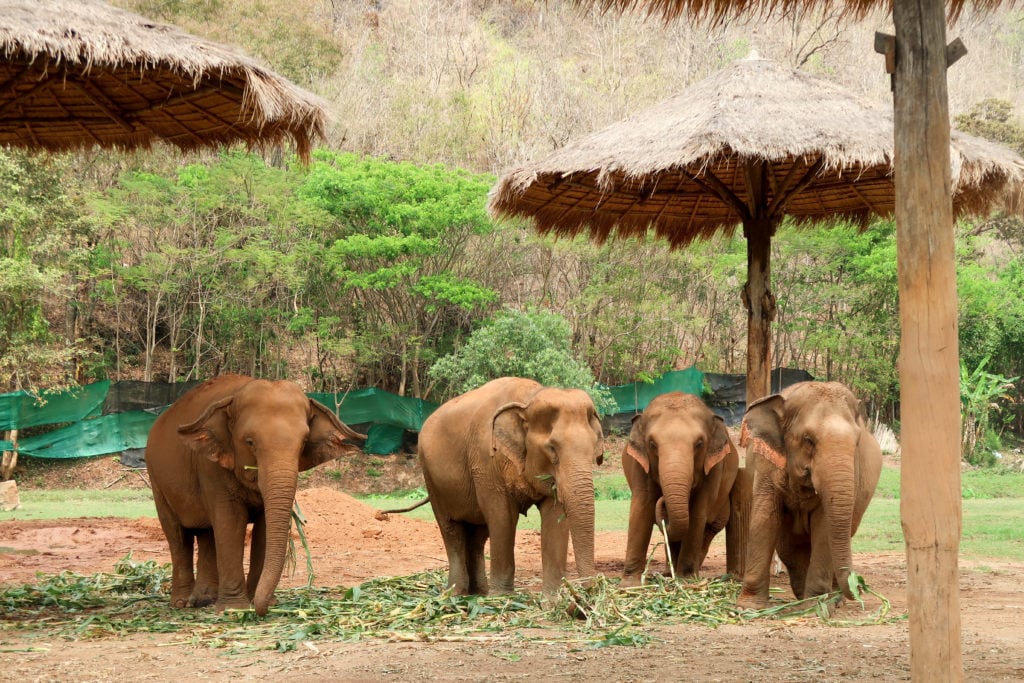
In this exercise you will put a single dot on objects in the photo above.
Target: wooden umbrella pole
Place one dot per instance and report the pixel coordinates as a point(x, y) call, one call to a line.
point(929, 355)
point(760, 303)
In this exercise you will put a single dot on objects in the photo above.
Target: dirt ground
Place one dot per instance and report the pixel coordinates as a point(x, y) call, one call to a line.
point(349, 545)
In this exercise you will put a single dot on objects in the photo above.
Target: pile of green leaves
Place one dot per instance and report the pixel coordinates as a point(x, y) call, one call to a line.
point(597, 613)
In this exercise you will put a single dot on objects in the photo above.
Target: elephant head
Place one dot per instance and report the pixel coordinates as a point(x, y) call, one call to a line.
point(548, 447)
point(266, 433)
point(813, 435)
point(677, 441)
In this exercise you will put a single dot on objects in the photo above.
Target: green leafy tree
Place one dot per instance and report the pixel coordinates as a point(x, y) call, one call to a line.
point(534, 344)
point(44, 244)
point(402, 254)
point(980, 396)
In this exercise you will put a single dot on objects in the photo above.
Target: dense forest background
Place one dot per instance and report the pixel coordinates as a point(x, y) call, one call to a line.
point(376, 261)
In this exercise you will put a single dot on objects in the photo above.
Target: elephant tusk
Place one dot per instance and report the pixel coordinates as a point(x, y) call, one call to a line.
point(250, 467)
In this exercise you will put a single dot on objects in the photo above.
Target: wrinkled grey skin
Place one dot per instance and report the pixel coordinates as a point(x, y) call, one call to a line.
point(494, 452)
point(816, 467)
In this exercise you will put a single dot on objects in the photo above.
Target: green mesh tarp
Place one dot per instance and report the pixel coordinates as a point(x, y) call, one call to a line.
point(390, 414)
point(98, 436)
point(21, 410)
point(633, 398)
point(386, 417)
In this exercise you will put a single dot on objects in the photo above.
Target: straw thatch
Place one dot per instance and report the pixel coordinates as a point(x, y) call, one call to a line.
point(83, 73)
point(719, 10)
point(681, 168)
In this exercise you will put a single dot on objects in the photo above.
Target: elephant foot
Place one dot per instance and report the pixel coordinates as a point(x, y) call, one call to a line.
point(748, 600)
point(202, 597)
point(233, 603)
point(179, 602)
point(630, 580)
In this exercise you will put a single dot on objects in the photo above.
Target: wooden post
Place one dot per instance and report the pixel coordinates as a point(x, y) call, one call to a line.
point(929, 354)
point(760, 303)
point(10, 458)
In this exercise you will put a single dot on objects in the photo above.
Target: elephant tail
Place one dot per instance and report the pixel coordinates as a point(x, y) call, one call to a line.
point(383, 514)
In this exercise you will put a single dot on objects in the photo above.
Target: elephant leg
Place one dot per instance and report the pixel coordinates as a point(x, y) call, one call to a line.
point(765, 519)
point(502, 528)
point(205, 591)
point(674, 550)
point(738, 527)
point(229, 537)
point(257, 552)
point(820, 574)
point(180, 544)
point(795, 552)
point(638, 538)
point(455, 536)
point(712, 529)
point(554, 544)
point(476, 569)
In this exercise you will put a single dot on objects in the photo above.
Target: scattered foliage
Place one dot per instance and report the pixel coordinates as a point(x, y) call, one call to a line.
point(590, 614)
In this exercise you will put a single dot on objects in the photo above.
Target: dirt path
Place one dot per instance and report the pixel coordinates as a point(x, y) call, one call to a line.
point(350, 546)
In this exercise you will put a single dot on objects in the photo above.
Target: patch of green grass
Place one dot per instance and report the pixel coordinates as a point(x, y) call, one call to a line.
point(57, 503)
point(611, 487)
point(989, 482)
point(888, 484)
point(991, 529)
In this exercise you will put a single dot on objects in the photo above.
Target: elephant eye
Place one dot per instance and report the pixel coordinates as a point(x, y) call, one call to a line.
point(250, 442)
point(698, 445)
point(809, 441)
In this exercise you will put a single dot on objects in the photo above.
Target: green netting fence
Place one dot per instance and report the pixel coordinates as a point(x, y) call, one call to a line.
point(86, 422)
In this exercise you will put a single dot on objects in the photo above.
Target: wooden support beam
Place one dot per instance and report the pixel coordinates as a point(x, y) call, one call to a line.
point(929, 355)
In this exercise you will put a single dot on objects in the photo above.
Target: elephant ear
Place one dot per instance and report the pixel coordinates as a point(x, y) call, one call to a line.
point(719, 444)
point(508, 435)
point(762, 433)
point(210, 435)
point(329, 438)
point(595, 424)
point(636, 447)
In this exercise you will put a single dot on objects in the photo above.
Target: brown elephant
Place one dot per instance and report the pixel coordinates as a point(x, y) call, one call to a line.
point(816, 466)
point(225, 454)
point(679, 458)
point(491, 454)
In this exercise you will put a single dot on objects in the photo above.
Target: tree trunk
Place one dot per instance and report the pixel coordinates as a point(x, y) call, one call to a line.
point(929, 367)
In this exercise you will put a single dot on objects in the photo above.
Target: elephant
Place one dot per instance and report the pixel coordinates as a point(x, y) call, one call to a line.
point(225, 454)
point(816, 465)
point(680, 464)
point(491, 454)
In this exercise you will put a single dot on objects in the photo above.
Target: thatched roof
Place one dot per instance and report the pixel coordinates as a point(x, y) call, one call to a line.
point(717, 10)
point(681, 167)
point(81, 73)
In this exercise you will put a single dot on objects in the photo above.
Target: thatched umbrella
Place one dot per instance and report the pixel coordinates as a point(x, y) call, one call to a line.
point(80, 73)
point(742, 147)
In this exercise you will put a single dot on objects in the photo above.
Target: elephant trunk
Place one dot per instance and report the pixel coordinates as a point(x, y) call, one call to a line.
point(676, 485)
point(578, 501)
point(837, 493)
point(278, 499)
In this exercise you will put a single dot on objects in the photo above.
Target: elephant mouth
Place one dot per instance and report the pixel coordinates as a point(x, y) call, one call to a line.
point(806, 491)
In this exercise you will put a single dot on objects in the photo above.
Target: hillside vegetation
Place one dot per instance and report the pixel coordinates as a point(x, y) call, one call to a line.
point(377, 260)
